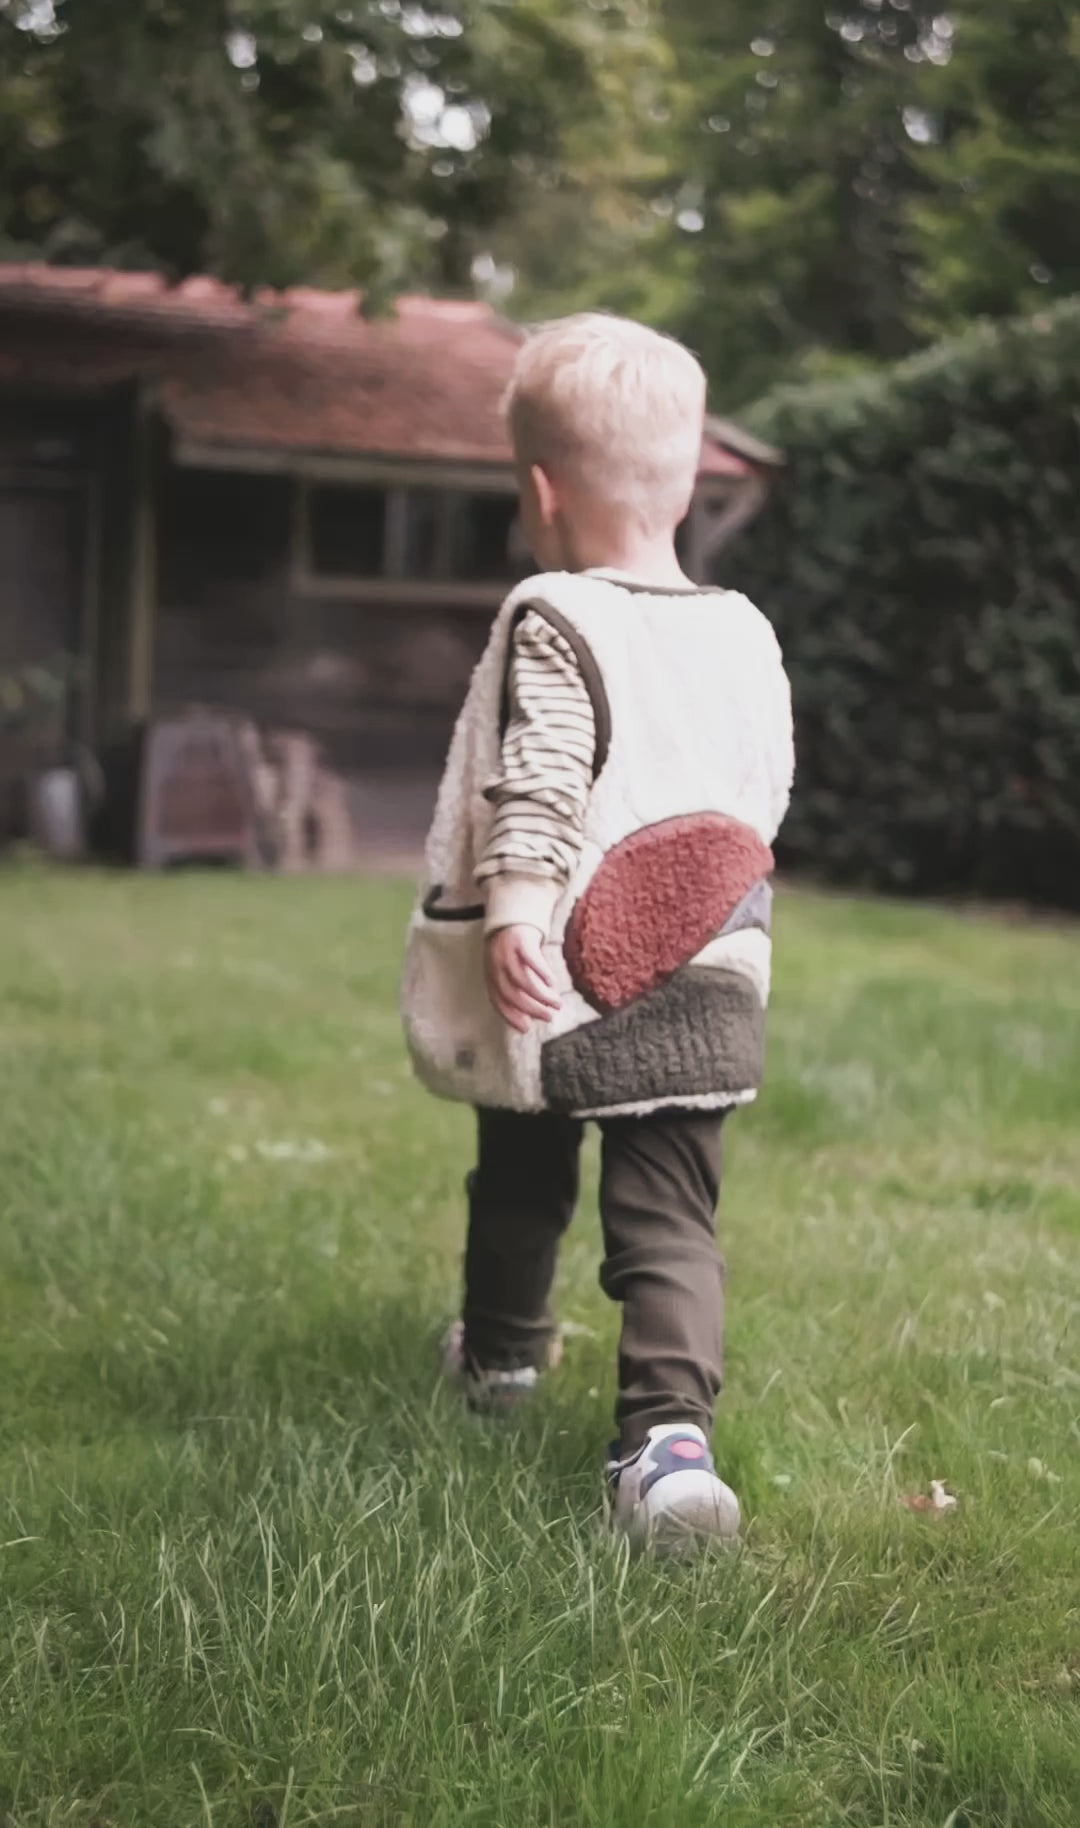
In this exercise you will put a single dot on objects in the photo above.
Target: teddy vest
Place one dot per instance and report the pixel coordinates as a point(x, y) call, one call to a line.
point(660, 944)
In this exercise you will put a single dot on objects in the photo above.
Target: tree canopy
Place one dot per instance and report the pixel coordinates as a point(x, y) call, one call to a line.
point(870, 176)
point(273, 141)
point(796, 186)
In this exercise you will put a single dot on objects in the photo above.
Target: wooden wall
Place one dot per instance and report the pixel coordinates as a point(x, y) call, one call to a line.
point(46, 461)
point(378, 686)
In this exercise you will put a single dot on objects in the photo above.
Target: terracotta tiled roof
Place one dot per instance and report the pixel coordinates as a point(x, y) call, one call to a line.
point(298, 371)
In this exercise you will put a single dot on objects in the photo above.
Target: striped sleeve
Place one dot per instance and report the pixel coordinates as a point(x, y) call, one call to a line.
point(542, 788)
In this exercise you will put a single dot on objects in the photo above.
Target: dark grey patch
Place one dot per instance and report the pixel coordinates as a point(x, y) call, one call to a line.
point(754, 910)
point(702, 1033)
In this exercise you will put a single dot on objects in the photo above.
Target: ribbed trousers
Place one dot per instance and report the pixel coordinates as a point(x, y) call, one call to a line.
point(659, 1187)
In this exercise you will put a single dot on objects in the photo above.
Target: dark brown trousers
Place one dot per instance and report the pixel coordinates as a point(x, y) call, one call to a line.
point(660, 1181)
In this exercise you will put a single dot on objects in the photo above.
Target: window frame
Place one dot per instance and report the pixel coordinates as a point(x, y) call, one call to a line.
point(453, 487)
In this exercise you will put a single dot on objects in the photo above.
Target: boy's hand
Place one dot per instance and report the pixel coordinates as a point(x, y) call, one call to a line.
point(518, 980)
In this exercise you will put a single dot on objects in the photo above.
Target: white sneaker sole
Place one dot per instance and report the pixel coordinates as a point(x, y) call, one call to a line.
point(490, 1393)
point(687, 1509)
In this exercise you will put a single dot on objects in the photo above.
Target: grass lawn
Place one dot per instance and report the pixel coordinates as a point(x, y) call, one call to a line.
point(257, 1570)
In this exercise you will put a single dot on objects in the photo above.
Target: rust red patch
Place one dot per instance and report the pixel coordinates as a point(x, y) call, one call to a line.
point(657, 899)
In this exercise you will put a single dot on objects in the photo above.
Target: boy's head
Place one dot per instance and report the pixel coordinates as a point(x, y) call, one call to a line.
point(607, 420)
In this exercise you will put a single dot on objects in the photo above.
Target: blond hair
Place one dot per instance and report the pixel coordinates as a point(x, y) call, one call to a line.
point(616, 408)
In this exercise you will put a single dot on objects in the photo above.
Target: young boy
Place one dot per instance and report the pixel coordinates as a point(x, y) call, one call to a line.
point(593, 939)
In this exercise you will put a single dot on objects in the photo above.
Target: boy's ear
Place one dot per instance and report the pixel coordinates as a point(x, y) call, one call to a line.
point(546, 498)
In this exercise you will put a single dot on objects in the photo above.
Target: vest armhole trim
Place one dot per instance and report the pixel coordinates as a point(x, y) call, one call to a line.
point(590, 674)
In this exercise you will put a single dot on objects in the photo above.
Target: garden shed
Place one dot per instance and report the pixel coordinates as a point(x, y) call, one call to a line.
point(273, 505)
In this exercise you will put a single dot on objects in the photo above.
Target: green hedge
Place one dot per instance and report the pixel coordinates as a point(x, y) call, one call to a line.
point(920, 558)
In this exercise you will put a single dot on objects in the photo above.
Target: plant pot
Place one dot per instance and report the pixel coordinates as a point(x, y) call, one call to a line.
point(58, 813)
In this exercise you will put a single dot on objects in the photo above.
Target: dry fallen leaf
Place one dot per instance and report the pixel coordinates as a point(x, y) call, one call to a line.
point(937, 1502)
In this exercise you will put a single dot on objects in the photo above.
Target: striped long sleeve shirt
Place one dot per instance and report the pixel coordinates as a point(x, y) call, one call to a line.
point(543, 784)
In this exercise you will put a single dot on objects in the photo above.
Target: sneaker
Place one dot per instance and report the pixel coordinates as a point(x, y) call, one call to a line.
point(491, 1391)
point(668, 1497)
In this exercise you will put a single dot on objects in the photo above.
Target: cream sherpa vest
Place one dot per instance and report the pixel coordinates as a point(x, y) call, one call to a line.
point(660, 944)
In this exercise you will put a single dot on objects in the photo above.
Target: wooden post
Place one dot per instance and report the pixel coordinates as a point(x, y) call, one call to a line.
point(300, 562)
point(89, 682)
point(697, 543)
point(747, 501)
point(397, 533)
point(142, 594)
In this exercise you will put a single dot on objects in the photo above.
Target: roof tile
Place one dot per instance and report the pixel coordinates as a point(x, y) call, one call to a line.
point(301, 370)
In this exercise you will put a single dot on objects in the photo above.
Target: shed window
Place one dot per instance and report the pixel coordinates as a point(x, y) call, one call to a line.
point(429, 535)
point(484, 547)
point(347, 531)
point(223, 525)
